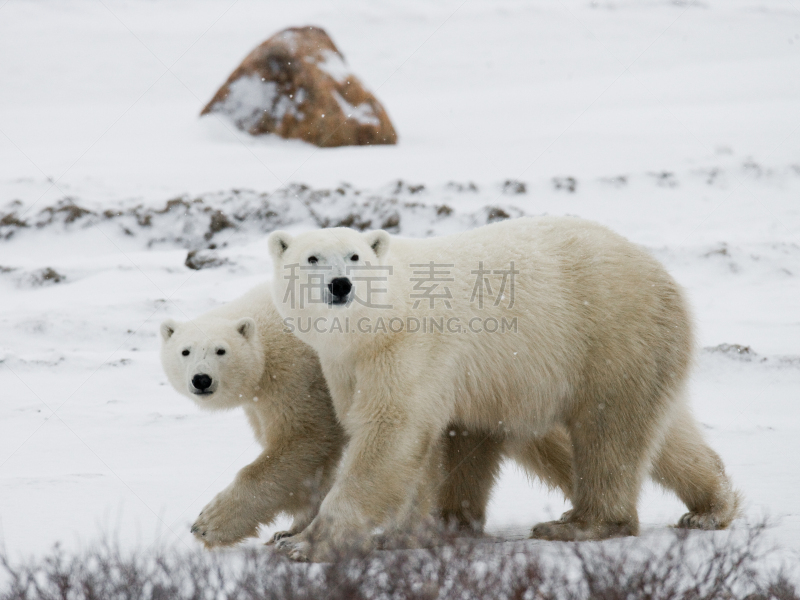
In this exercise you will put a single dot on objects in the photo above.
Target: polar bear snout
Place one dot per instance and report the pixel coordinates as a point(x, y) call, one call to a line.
point(203, 384)
point(340, 288)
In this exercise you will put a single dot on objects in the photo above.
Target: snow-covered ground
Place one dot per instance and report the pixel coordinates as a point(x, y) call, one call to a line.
point(675, 123)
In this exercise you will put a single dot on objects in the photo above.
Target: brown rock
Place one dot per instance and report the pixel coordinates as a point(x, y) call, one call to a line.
point(297, 85)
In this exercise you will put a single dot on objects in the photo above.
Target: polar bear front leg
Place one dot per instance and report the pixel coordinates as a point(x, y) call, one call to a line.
point(382, 470)
point(259, 491)
point(227, 519)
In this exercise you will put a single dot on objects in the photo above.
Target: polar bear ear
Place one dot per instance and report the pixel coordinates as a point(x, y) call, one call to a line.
point(246, 326)
point(168, 327)
point(379, 242)
point(278, 243)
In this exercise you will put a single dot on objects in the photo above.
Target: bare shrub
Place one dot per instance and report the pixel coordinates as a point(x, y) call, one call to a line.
point(680, 565)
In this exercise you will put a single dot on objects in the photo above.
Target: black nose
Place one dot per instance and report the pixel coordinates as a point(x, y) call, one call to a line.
point(201, 382)
point(340, 286)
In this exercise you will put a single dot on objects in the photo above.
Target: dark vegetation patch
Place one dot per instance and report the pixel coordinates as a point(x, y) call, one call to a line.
point(210, 220)
point(462, 187)
point(722, 250)
point(747, 354)
point(403, 187)
point(665, 179)
point(495, 214)
point(10, 222)
point(681, 565)
point(712, 175)
point(443, 211)
point(734, 350)
point(752, 169)
point(567, 184)
point(204, 259)
point(219, 222)
point(513, 187)
point(391, 223)
point(353, 221)
point(618, 181)
point(64, 211)
point(46, 276)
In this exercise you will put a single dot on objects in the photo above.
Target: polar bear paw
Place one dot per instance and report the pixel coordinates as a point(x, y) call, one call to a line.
point(303, 548)
point(576, 531)
point(278, 536)
point(296, 549)
point(718, 516)
point(224, 522)
point(695, 520)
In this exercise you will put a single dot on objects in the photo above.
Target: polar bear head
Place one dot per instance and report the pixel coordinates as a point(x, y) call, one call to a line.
point(215, 362)
point(323, 272)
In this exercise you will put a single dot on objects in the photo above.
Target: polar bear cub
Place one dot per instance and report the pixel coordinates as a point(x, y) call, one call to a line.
point(239, 355)
point(521, 329)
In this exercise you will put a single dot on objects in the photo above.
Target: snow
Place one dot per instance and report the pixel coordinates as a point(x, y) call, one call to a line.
point(676, 124)
point(333, 65)
point(362, 113)
point(246, 97)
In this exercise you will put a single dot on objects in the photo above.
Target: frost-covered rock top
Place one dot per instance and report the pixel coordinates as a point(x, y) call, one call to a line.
point(298, 85)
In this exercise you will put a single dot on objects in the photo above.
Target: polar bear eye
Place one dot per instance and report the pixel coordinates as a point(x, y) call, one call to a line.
point(354, 258)
point(220, 351)
point(185, 353)
point(312, 260)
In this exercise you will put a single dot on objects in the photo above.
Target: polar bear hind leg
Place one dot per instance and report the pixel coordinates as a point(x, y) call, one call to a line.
point(613, 446)
point(686, 465)
point(471, 465)
point(547, 457)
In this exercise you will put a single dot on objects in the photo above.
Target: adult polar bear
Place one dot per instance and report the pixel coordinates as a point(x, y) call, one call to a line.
point(597, 341)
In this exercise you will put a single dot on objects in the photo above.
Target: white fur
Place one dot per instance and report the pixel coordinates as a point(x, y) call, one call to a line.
point(601, 348)
point(278, 382)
